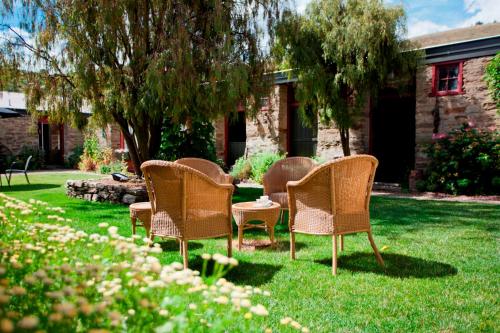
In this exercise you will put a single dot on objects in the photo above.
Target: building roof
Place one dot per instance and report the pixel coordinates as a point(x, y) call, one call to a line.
point(12, 100)
point(457, 35)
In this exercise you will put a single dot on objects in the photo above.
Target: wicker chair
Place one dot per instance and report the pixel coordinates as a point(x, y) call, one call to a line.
point(276, 178)
point(207, 167)
point(333, 200)
point(187, 204)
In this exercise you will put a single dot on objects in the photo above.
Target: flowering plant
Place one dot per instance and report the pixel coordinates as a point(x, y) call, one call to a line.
point(59, 279)
point(464, 161)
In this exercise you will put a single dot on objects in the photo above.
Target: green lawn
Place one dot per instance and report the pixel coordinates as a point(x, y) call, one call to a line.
point(442, 263)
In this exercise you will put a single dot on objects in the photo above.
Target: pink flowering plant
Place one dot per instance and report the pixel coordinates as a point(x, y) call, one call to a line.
point(464, 161)
point(54, 278)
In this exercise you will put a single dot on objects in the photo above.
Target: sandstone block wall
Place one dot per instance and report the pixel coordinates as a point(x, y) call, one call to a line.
point(18, 132)
point(474, 105)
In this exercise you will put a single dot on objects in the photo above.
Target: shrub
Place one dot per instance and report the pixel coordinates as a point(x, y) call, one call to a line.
point(177, 142)
point(466, 161)
point(56, 278)
point(74, 157)
point(255, 166)
point(261, 163)
point(241, 169)
point(37, 161)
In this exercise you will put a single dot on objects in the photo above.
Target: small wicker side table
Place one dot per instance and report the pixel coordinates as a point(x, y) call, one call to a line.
point(245, 212)
point(140, 211)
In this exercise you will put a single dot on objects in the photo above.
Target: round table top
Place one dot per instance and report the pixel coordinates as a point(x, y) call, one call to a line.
point(141, 206)
point(251, 205)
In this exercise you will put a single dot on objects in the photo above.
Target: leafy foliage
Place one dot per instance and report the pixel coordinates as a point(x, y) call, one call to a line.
point(492, 77)
point(466, 161)
point(74, 157)
point(342, 50)
point(37, 161)
point(177, 141)
point(136, 62)
point(255, 166)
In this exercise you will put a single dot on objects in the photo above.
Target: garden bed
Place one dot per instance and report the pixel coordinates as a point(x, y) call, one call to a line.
point(107, 190)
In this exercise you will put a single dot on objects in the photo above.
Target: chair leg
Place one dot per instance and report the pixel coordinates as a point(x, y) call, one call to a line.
point(240, 237)
point(334, 255)
point(134, 221)
point(151, 238)
point(26, 175)
point(229, 245)
point(341, 243)
point(185, 253)
point(377, 254)
point(292, 245)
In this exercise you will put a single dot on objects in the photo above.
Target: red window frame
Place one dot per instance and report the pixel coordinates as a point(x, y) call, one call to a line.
point(435, 79)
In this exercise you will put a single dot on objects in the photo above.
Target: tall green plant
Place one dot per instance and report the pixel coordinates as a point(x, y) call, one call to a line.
point(342, 50)
point(178, 141)
point(492, 78)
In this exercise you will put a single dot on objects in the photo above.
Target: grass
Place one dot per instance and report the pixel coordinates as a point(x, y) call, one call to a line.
point(442, 263)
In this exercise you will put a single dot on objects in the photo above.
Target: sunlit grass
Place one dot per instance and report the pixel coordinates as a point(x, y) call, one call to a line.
point(442, 263)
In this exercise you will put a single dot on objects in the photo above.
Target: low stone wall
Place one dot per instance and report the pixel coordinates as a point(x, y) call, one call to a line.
point(107, 190)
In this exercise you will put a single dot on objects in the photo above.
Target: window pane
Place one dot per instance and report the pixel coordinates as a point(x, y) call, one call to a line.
point(453, 71)
point(452, 84)
point(443, 72)
point(442, 85)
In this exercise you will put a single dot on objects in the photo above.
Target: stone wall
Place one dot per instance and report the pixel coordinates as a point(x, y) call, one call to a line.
point(72, 138)
point(474, 105)
point(18, 132)
point(267, 132)
point(330, 146)
point(107, 190)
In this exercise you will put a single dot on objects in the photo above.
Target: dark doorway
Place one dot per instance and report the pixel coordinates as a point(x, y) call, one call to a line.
point(393, 134)
point(237, 137)
point(303, 139)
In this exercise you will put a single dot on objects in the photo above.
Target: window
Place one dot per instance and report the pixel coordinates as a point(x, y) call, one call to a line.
point(447, 79)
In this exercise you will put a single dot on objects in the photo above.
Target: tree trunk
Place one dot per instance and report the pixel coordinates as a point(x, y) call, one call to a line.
point(344, 139)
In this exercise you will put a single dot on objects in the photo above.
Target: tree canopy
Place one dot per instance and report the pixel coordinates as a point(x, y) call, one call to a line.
point(342, 50)
point(136, 62)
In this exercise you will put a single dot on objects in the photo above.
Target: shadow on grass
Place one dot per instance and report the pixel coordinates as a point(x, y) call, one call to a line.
point(246, 273)
point(396, 265)
point(172, 245)
point(26, 187)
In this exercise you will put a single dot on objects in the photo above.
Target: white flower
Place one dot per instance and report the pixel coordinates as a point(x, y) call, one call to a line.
point(103, 225)
point(112, 230)
point(259, 310)
point(206, 256)
point(131, 312)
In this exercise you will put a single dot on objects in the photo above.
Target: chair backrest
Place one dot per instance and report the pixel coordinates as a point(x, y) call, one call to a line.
point(285, 170)
point(177, 192)
point(26, 166)
point(352, 179)
point(208, 168)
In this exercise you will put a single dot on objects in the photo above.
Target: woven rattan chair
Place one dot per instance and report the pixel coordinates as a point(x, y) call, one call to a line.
point(333, 200)
point(207, 167)
point(187, 204)
point(281, 172)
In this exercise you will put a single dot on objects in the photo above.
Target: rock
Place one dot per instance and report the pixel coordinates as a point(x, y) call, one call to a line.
point(128, 199)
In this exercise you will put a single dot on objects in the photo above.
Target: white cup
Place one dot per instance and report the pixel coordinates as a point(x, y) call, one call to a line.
point(264, 198)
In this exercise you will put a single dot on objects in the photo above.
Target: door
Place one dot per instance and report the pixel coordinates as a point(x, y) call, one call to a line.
point(237, 137)
point(303, 139)
point(393, 135)
point(44, 139)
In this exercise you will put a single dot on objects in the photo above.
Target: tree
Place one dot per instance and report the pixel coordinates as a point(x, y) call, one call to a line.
point(136, 62)
point(492, 78)
point(342, 50)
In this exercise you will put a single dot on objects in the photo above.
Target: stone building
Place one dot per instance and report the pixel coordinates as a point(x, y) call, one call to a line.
point(18, 130)
point(448, 90)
